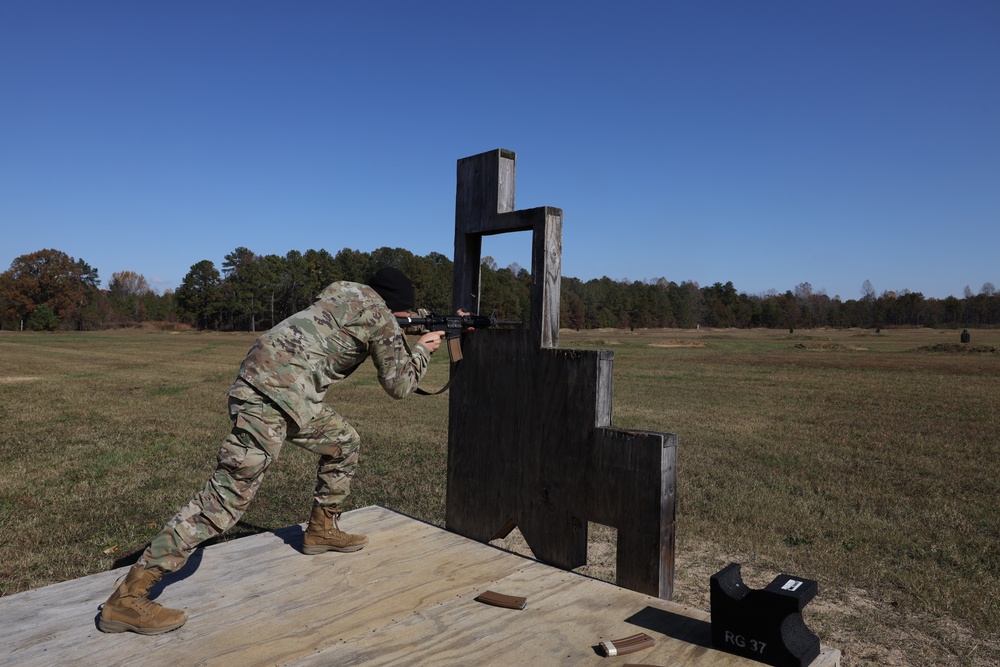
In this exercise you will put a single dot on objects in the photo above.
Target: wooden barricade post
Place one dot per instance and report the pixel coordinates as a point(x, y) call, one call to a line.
point(530, 439)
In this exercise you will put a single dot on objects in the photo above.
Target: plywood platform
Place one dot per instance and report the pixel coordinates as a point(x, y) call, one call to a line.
point(406, 599)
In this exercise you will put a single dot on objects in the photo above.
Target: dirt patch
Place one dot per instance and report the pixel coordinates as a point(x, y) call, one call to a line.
point(14, 379)
point(958, 348)
point(830, 347)
point(679, 343)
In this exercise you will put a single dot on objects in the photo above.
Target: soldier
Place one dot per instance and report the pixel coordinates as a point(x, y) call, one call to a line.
point(277, 398)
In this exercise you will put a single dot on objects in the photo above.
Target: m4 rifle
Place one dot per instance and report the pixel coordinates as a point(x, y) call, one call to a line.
point(453, 326)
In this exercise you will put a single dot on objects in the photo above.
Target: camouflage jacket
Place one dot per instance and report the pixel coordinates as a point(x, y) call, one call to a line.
point(295, 363)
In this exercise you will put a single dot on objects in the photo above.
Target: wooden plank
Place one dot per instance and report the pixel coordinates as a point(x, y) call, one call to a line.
point(524, 450)
point(484, 191)
point(484, 205)
point(546, 276)
point(631, 477)
point(407, 598)
point(520, 421)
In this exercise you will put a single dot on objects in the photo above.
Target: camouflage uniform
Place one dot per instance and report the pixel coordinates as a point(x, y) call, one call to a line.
point(279, 397)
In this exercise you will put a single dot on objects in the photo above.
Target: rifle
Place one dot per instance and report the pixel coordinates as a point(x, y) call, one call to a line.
point(453, 326)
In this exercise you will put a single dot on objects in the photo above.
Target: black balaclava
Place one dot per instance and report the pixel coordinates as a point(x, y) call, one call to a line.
point(394, 288)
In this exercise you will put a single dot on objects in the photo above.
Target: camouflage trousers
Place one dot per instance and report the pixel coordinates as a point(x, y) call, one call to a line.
point(259, 430)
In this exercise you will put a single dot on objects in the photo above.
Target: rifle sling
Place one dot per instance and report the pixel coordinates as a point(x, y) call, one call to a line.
point(454, 370)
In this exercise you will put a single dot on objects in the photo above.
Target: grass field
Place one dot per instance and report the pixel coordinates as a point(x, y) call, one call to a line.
point(866, 461)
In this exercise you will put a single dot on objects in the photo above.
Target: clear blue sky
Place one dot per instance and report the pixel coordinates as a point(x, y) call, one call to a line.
point(767, 143)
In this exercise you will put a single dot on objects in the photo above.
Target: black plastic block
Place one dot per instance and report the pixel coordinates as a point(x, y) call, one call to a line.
point(764, 625)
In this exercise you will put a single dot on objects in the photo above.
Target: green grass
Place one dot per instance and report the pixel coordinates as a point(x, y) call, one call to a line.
point(868, 462)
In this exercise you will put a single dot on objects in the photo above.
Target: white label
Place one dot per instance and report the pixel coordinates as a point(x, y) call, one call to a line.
point(791, 585)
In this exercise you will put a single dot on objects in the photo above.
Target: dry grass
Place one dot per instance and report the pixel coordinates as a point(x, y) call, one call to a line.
point(871, 470)
point(868, 462)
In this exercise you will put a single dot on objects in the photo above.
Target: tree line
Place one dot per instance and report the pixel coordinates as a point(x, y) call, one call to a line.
point(49, 290)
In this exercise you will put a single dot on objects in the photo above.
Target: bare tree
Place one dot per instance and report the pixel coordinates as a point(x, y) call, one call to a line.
point(867, 291)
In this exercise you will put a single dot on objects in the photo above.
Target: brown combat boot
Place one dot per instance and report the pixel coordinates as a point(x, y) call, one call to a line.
point(129, 608)
point(323, 533)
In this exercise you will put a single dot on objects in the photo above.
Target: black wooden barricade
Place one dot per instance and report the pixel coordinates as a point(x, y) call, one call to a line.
point(530, 441)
